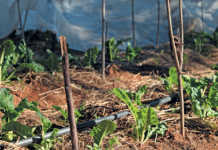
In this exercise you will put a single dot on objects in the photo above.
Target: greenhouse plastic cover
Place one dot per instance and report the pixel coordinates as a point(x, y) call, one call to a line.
point(80, 20)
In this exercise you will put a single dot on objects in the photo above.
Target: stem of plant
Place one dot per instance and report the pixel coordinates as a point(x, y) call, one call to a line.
point(103, 38)
point(177, 63)
point(68, 91)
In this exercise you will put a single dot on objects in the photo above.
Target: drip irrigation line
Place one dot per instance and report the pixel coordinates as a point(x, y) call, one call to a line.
point(88, 124)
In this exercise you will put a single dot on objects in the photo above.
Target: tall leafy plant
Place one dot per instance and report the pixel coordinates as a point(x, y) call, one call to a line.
point(146, 120)
point(8, 58)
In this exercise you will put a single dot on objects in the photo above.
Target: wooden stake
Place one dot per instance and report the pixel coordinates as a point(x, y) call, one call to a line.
point(103, 38)
point(68, 91)
point(133, 22)
point(158, 24)
point(177, 62)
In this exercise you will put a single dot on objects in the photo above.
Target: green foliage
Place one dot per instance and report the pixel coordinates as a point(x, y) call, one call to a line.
point(98, 133)
point(64, 113)
point(171, 81)
point(26, 61)
point(131, 52)
point(214, 67)
point(203, 94)
point(137, 96)
point(8, 58)
point(91, 56)
point(146, 120)
point(215, 37)
point(51, 61)
point(112, 49)
point(199, 40)
point(14, 59)
point(17, 129)
point(113, 141)
point(11, 114)
point(47, 144)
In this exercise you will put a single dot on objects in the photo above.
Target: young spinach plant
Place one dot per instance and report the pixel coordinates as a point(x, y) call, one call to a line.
point(11, 128)
point(203, 94)
point(98, 133)
point(171, 81)
point(146, 120)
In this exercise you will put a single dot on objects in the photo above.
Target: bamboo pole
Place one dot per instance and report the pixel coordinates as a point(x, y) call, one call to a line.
point(133, 22)
point(68, 91)
point(177, 62)
point(103, 38)
point(158, 24)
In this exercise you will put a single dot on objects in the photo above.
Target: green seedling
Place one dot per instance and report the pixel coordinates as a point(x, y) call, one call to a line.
point(146, 120)
point(112, 48)
point(172, 81)
point(91, 56)
point(131, 52)
point(99, 132)
point(64, 113)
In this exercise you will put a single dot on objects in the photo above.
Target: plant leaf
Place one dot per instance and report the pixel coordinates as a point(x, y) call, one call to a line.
point(103, 129)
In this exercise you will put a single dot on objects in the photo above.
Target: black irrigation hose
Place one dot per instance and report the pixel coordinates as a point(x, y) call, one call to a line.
point(88, 124)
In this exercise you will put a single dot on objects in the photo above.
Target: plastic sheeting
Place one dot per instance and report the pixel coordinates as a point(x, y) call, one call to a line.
point(80, 21)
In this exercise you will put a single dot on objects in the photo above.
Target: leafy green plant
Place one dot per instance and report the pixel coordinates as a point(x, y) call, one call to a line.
point(146, 120)
point(90, 57)
point(8, 58)
point(98, 133)
point(11, 114)
point(26, 61)
point(203, 94)
point(131, 52)
point(51, 61)
point(64, 113)
point(112, 48)
point(215, 66)
point(137, 96)
point(215, 37)
point(13, 59)
point(47, 144)
point(171, 81)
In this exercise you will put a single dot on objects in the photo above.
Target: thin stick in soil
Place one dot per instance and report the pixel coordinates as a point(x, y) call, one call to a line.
point(68, 91)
